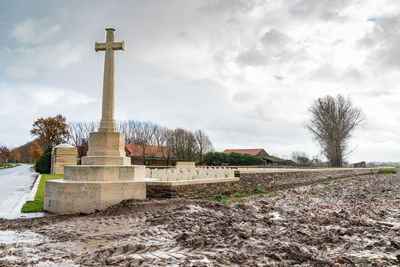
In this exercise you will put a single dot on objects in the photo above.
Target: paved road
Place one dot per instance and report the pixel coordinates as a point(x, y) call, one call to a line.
point(15, 185)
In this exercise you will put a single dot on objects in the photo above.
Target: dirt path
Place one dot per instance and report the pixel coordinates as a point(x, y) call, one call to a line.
point(352, 221)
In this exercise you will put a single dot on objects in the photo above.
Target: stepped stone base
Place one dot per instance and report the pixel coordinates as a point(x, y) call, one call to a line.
point(106, 149)
point(104, 173)
point(69, 197)
point(98, 160)
point(105, 178)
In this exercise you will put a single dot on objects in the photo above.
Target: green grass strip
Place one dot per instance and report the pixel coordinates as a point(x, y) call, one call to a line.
point(37, 205)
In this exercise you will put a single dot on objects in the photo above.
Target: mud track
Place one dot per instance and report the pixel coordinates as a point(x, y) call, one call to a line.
point(348, 222)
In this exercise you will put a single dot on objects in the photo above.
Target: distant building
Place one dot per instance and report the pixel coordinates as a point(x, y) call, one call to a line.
point(361, 164)
point(259, 152)
point(150, 155)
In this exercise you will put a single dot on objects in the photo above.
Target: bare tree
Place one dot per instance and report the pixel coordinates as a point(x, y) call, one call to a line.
point(301, 158)
point(161, 140)
point(332, 122)
point(203, 143)
point(79, 135)
point(76, 133)
point(172, 143)
point(123, 127)
point(182, 143)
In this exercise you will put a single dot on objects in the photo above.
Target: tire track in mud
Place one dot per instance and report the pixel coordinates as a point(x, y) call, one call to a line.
point(349, 221)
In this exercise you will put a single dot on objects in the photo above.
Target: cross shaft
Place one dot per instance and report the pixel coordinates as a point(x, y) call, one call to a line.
point(107, 123)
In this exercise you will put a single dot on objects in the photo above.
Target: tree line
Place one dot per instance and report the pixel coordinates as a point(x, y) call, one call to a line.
point(332, 122)
point(183, 144)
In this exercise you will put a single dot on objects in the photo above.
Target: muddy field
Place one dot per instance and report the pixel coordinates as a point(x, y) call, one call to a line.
point(339, 223)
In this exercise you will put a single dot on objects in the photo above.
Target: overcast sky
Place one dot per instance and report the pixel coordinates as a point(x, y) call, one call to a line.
point(246, 72)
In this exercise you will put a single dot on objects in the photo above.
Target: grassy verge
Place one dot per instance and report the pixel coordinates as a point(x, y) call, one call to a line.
point(389, 171)
point(37, 205)
point(243, 196)
point(8, 165)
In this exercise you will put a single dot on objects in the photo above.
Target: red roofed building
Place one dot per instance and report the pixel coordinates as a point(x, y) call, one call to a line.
point(150, 155)
point(258, 152)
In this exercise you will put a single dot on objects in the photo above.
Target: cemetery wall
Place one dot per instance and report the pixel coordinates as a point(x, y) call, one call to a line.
point(249, 181)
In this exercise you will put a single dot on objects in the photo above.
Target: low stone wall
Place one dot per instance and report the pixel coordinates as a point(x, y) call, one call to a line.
point(249, 181)
point(200, 188)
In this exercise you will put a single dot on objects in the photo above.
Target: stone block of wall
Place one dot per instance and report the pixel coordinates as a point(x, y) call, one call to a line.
point(185, 164)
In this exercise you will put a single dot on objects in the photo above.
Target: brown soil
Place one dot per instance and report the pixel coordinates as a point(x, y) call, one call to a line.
point(347, 222)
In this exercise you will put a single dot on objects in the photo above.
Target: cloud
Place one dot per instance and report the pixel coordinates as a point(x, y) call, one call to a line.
point(234, 6)
point(383, 42)
point(22, 104)
point(244, 71)
point(320, 9)
point(273, 39)
point(252, 58)
point(33, 31)
point(328, 72)
point(273, 45)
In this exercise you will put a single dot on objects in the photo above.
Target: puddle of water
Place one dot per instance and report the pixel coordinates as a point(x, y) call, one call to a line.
point(193, 208)
point(67, 263)
point(275, 216)
point(35, 214)
point(369, 254)
point(10, 237)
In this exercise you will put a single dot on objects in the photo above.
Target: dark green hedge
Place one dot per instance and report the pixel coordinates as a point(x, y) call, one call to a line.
point(232, 159)
point(43, 164)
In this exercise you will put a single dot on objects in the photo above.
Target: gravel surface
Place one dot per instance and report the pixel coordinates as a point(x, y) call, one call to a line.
point(339, 223)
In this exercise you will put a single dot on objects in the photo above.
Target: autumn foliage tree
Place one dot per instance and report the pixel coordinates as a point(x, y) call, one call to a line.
point(51, 131)
point(15, 155)
point(5, 154)
point(35, 151)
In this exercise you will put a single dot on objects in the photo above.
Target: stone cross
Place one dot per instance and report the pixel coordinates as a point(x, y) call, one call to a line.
point(107, 123)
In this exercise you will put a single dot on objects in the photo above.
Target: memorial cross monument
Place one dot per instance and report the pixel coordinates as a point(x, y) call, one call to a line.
point(107, 123)
point(105, 177)
point(107, 146)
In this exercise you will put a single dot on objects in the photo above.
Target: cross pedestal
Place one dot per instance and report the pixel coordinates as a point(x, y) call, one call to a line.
point(106, 176)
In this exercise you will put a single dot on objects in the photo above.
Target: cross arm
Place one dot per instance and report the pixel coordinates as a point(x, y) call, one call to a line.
point(100, 46)
point(118, 45)
point(113, 46)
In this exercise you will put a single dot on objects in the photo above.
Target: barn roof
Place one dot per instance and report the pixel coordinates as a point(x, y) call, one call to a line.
point(150, 151)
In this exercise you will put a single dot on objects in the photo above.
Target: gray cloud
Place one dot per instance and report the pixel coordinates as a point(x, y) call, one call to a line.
point(274, 39)
point(252, 58)
point(328, 72)
point(321, 9)
point(383, 42)
point(223, 6)
point(274, 44)
point(186, 65)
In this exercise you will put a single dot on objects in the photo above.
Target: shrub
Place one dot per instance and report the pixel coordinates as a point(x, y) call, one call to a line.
point(240, 193)
point(260, 191)
point(233, 159)
point(220, 198)
point(389, 171)
point(43, 164)
point(273, 194)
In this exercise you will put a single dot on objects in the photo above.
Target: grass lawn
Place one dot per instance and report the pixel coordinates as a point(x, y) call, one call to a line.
point(37, 205)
